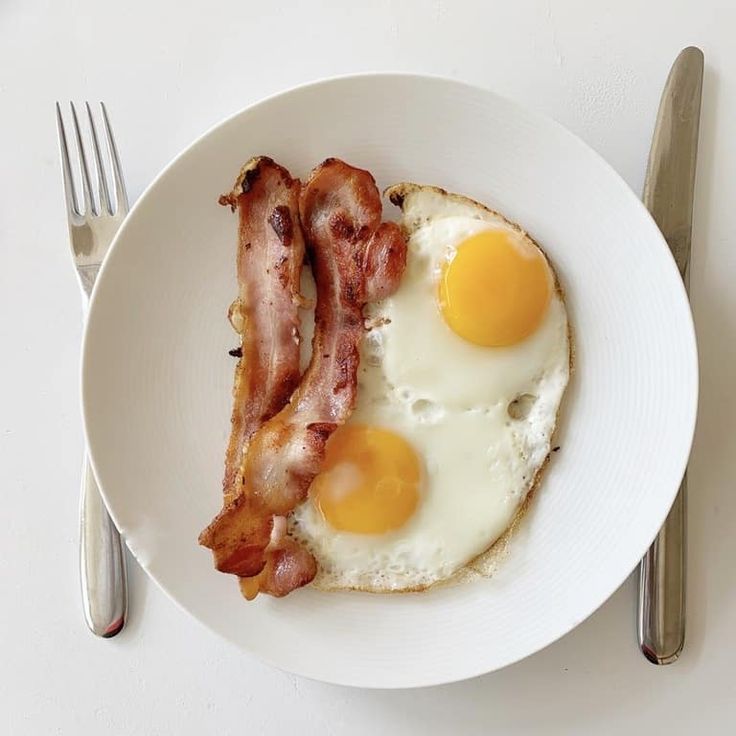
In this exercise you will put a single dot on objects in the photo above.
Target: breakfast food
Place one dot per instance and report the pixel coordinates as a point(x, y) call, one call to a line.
point(355, 259)
point(425, 416)
point(265, 315)
point(462, 373)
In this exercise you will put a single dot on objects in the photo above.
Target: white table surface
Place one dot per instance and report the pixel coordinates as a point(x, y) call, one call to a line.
point(168, 72)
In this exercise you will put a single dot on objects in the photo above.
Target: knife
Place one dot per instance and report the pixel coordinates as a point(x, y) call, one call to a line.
point(668, 195)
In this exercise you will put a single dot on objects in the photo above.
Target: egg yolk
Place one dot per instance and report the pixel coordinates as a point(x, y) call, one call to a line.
point(496, 289)
point(369, 480)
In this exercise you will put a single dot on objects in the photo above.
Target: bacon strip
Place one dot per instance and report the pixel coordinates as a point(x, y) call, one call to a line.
point(355, 258)
point(265, 314)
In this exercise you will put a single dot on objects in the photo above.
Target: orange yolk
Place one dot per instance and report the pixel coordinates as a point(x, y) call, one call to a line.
point(496, 289)
point(369, 481)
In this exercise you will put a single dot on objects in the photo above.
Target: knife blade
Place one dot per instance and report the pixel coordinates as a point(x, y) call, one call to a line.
point(669, 188)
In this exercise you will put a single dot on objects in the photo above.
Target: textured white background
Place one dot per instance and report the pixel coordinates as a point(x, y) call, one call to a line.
point(169, 70)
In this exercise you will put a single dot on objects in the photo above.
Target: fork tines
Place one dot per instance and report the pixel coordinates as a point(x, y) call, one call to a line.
point(107, 196)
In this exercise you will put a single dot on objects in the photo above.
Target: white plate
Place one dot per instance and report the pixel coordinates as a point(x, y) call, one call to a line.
point(157, 378)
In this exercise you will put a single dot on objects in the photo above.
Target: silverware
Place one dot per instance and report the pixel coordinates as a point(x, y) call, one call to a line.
point(92, 224)
point(668, 195)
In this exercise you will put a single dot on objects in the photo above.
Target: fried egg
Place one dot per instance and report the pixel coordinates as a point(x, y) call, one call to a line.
point(461, 377)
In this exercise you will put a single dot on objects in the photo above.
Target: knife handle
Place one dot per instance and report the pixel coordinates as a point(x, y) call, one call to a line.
point(661, 623)
point(101, 562)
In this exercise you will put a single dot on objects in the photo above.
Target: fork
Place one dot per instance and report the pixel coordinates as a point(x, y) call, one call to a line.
point(93, 222)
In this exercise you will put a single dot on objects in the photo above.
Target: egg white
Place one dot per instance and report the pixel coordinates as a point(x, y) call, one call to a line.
point(450, 399)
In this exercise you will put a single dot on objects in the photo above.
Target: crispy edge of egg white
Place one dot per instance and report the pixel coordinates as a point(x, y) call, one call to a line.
point(486, 563)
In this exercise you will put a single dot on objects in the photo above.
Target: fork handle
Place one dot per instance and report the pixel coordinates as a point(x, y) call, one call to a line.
point(101, 562)
point(662, 588)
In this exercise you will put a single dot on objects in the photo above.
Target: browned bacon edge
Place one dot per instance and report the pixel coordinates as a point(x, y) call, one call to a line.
point(355, 258)
point(265, 314)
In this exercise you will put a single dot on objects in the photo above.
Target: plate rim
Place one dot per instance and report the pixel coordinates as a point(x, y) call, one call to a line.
point(688, 326)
